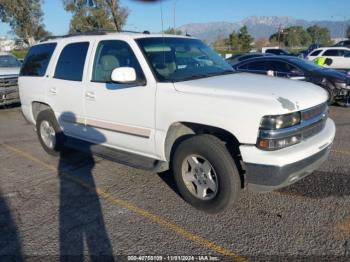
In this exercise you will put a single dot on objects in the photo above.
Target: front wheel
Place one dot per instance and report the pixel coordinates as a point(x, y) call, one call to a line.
point(205, 173)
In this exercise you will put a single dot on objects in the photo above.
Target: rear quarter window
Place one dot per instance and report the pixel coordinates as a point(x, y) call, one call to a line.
point(37, 60)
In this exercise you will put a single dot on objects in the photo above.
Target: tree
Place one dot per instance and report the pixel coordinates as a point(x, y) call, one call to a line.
point(25, 19)
point(245, 39)
point(296, 36)
point(234, 41)
point(172, 31)
point(348, 32)
point(319, 35)
point(95, 15)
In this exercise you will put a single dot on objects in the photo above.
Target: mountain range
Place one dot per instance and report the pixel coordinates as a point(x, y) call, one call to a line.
point(259, 27)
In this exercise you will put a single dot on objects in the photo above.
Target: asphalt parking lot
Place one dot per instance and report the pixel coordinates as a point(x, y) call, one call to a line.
point(79, 205)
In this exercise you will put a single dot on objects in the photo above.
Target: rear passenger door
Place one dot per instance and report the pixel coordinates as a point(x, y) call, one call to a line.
point(66, 87)
point(337, 56)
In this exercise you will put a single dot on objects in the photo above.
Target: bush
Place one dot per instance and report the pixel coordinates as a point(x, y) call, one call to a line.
point(20, 53)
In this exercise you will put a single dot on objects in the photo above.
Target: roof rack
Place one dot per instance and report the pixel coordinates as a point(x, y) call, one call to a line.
point(97, 32)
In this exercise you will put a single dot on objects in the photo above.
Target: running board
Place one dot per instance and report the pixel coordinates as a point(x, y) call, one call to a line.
point(118, 156)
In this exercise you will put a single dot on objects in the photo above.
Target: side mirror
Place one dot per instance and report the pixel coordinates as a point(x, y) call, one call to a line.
point(123, 75)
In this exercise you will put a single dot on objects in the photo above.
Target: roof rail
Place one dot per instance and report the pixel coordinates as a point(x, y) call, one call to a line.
point(96, 32)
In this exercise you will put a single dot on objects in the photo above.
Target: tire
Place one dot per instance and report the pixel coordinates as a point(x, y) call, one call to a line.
point(223, 172)
point(331, 96)
point(46, 120)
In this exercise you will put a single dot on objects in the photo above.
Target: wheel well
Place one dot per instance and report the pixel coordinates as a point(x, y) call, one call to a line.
point(37, 107)
point(180, 131)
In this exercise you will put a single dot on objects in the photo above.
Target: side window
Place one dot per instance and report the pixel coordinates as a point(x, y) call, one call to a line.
point(111, 54)
point(243, 67)
point(257, 66)
point(347, 54)
point(70, 65)
point(37, 60)
point(331, 52)
point(316, 53)
point(278, 66)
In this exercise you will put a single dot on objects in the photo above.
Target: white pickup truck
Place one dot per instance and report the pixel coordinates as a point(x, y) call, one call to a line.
point(170, 102)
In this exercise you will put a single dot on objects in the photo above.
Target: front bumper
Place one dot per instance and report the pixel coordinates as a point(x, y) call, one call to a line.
point(9, 96)
point(281, 168)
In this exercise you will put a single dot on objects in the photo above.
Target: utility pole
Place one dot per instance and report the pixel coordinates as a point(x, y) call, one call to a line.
point(175, 2)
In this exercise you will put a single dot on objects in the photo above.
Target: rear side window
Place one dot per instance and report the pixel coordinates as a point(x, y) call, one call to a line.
point(333, 52)
point(70, 65)
point(316, 53)
point(37, 60)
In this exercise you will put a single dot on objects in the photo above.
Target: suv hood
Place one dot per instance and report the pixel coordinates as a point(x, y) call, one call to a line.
point(4, 71)
point(288, 95)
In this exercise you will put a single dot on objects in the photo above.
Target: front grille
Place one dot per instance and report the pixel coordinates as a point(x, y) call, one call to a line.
point(314, 111)
point(314, 120)
point(8, 82)
point(313, 129)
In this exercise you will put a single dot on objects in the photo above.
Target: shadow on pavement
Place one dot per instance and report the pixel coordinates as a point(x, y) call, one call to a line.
point(82, 230)
point(321, 185)
point(10, 243)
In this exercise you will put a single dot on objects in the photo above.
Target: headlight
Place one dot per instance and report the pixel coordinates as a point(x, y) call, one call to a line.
point(341, 85)
point(280, 121)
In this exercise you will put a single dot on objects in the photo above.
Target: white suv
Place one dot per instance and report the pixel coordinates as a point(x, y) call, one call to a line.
point(340, 56)
point(147, 101)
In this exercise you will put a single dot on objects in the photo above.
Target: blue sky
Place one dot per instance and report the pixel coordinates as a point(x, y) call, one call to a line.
point(147, 16)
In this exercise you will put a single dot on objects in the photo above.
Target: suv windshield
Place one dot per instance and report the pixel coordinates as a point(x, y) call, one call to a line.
point(181, 59)
point(9, 61)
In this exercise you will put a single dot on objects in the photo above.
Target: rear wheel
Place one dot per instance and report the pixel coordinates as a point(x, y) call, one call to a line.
point(205, 174)
point(49, 133)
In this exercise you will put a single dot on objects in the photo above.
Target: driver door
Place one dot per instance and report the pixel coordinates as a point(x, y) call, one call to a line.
point(123, 113)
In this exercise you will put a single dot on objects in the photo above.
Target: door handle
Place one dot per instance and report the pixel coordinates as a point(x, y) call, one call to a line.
point(53, 90)
point(90, 95)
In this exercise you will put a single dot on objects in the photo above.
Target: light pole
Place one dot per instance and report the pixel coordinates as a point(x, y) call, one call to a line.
point(175, 2)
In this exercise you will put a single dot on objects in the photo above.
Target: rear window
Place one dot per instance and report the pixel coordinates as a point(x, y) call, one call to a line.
point(70, 65)
point(37, 60)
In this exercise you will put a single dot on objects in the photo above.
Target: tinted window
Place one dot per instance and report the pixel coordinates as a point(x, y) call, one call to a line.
point(278, 66)
point(333, 52)
point(257, 66)
point(37, 60)
point(316, 53)
point(111, 54)
point(70, 65)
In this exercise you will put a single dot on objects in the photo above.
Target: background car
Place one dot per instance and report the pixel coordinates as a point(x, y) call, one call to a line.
point(9, 71)
point(242, 57)
point(335, 82)
point(345, 43)
point(276, 51)
point(340, 56)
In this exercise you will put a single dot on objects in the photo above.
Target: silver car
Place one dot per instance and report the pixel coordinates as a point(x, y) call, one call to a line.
point(9, 71)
